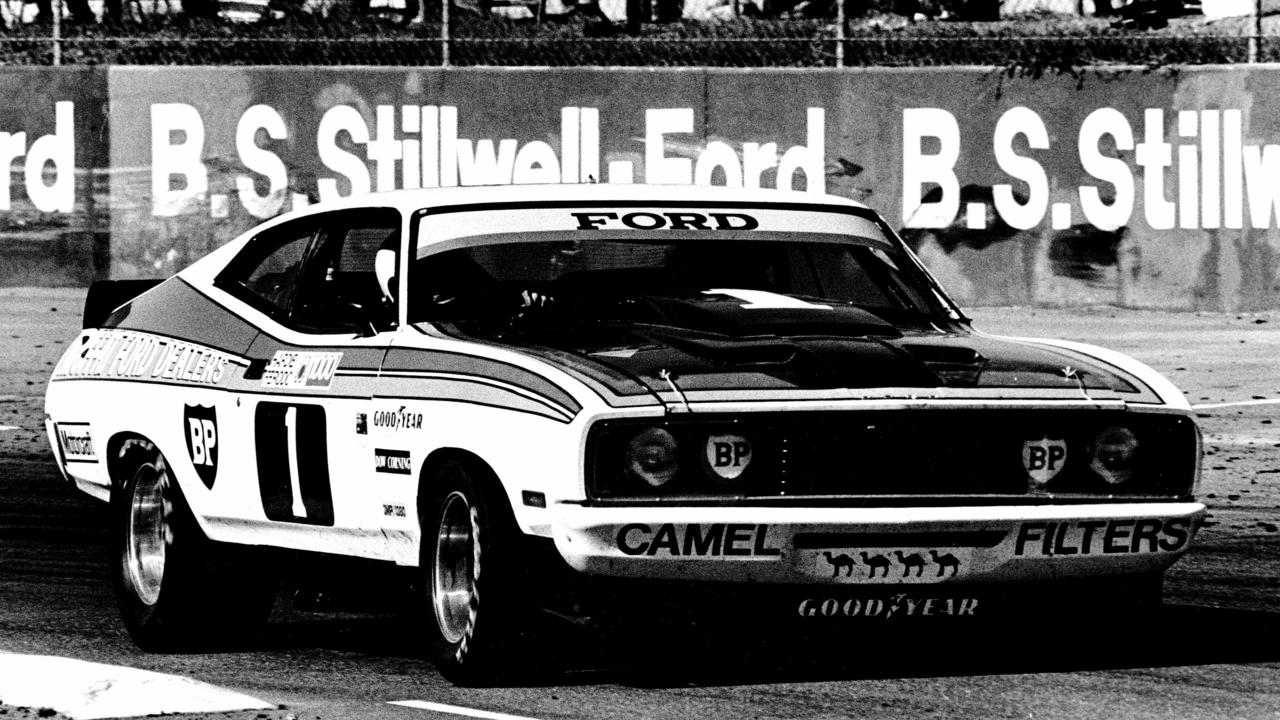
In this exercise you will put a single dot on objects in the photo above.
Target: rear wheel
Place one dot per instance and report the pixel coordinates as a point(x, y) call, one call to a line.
point(478, 617)
point(177, 591)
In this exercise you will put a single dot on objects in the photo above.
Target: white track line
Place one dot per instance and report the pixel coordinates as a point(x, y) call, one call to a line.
point(455, 710)
point(9, 427)
point(90, 691)
point(1238, 403)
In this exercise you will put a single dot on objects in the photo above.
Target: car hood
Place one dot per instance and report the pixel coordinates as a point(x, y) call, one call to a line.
point(712, 345)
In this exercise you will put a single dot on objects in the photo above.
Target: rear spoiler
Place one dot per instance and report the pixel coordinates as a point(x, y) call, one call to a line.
point(107, 295)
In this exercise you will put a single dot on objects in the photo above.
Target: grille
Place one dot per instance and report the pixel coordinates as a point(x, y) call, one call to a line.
point(906, 457)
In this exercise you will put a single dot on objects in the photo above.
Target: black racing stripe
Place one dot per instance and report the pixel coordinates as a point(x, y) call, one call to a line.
point(962, 538)
point(616, 388)
point(176, 309)
point(408, 360)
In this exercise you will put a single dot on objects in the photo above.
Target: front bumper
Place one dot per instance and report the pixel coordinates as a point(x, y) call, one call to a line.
point(875, 546)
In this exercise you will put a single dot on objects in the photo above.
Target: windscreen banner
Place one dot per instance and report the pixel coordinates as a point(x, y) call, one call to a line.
point(1139, 187)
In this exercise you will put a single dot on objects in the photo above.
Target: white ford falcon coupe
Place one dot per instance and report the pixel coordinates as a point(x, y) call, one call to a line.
point(638, 389)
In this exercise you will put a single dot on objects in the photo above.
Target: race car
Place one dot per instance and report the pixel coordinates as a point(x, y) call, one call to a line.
point(756, 392)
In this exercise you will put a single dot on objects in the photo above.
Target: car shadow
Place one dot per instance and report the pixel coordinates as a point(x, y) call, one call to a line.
point(647, 655)
point(1173, 635)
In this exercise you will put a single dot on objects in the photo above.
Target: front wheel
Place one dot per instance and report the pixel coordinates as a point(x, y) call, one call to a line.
point(477, 613)
point(177, 591)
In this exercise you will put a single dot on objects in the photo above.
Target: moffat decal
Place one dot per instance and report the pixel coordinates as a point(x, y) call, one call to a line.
point(900, 605)
point(1102, 537)
point(76, 442)
point(125, 354)
point(292, 369)
point(712, 540)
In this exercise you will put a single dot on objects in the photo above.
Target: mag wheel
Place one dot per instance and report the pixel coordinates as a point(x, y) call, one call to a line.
point(476, 618)
point(176, 590)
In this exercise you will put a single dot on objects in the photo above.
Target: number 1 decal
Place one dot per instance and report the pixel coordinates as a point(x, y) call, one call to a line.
point(295, 486)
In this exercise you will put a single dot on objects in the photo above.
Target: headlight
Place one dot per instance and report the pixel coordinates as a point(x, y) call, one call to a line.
point(1112, 454)
point(653, 457)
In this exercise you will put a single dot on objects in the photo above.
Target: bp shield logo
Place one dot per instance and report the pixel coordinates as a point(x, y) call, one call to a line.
point(1044, 459)
point(201, 423)
point(727, 455)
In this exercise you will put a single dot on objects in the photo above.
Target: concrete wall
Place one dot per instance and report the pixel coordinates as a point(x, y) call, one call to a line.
point(1143, 188)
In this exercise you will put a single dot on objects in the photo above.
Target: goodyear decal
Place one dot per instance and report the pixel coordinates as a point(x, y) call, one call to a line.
point(695, 540)
point(900, 605)
point(293, 369)
point(397, 419)
point(1102, 537)
point(130, 355)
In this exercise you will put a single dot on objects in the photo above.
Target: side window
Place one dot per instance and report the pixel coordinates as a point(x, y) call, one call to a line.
point(265, 272)
point(339, 290)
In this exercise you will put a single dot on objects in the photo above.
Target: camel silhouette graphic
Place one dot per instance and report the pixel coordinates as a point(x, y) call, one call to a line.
point(875, 562)
point(910, 562)
point(838, 563)
point(945, 562)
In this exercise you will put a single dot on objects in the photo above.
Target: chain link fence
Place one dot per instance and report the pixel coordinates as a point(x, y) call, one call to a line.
point(733, 35)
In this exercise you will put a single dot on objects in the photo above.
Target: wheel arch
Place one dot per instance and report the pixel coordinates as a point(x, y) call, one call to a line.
point(118, 449)
point(480, 470)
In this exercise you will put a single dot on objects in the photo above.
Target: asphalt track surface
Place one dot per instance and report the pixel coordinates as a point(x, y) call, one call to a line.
point(1212, 652)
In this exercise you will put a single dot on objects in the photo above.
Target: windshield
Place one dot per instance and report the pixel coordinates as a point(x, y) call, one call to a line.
point(657, 277)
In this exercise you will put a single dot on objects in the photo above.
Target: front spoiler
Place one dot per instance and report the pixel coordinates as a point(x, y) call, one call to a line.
point(875, 546)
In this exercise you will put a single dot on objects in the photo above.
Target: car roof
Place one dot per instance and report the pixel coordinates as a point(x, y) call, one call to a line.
point(409, 201)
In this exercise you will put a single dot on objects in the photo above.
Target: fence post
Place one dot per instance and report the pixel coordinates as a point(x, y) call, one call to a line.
point(444, 32)
point(56, 9)
point(839, 33)
point(1255, 41)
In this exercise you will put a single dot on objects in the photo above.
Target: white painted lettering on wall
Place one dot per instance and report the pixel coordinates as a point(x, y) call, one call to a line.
point(415, 146)
point(1205, 178)
point(56, 151)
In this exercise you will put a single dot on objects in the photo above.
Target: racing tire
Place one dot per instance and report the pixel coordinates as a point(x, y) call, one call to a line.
point(478, 619)
point(177, 590)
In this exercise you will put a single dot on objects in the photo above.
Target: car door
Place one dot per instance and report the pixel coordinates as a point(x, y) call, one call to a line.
point(311, 375)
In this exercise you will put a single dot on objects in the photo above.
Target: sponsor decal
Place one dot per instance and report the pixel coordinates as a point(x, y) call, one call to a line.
point(394, 511)
point(900, 565)
point(362, 424)
point(897, 606)
point(1102, 537)
point(1044, 459)
point(292, 369)
point(76, 442)
point(665, 221)
point(727, 455)
point(201, 424)
point(397, 462)
point(397, 419)
point(714, 540)
point(125, 354)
